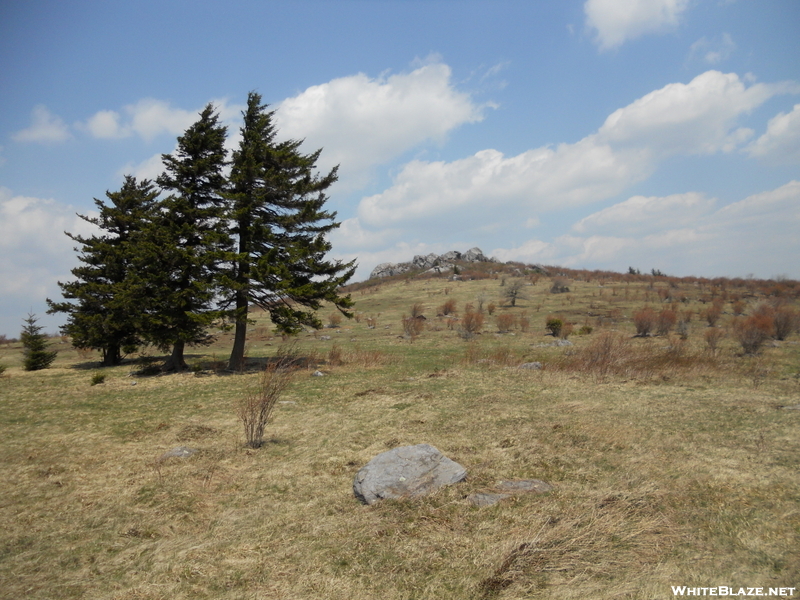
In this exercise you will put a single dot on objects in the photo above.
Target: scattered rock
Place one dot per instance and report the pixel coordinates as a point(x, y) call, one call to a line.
point(507, 489)
point(535, 366)
point(318, 374)
point(795, 407)
point(406, 472)
point(324, 337)
point(535, 486)
point(179, 452)
point(482, 499)
point(430, 263)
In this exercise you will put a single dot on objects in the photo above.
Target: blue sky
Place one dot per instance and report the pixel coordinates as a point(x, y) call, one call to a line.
point(594, 134)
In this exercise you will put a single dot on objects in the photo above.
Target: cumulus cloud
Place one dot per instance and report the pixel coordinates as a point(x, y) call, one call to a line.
point(149, 118)
point(362, 121)
point(149, 168)
point(617, 21)
point(640, 214)
point(26, 277)
point(755, 235)
point(700, 117)
point(45, 128)
point(781, 142)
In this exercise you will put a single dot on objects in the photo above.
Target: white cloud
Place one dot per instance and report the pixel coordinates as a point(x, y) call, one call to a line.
point(150, 118)
point(617, 21)
point(698, 117)
point(781, 142)
point(350, 234)
point(149, 168)
point(715, 50)
point(755, 235)
point(640, 214)
point(694, 118)
point(362, 122)
point(34, 252)
point(45, 128)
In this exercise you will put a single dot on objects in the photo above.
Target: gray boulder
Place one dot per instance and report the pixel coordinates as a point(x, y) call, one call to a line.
point(474, 255)
point(406, 472)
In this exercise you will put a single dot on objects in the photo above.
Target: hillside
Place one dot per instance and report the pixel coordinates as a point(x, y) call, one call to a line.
point(673, 456)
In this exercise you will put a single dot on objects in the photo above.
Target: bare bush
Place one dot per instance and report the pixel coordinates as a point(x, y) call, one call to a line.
point(666, 321)
point(751, 332)
point(417, 309)
point(713, 336)
point(644, 320)
point(786, 321)
point(334, 320)
point(448, 308)
point(505, 321)
point(472, 322)
point(255, 409)
point(490, 308)
point(412, 327)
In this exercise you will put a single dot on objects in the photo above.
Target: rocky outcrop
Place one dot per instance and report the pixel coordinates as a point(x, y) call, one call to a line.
point(406, 472)
point(430, 263)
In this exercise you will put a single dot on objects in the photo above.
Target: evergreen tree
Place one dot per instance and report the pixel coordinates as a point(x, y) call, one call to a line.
point(278, 219)
point(36, 356)
point(107, 312)
point(186, 241)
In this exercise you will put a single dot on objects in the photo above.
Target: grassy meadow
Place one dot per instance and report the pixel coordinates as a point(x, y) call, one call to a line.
point(672, 463)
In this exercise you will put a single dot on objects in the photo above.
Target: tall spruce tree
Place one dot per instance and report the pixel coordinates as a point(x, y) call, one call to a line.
point(106, 313)
point(278, 219)
point(186, 242)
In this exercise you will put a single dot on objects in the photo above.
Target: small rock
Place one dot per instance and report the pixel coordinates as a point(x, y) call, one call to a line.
point(324, 337)
point(482, 499)
point(179, 452)
point(318, 374)
point(535, 486)
point(531, 365)
point(795, 407)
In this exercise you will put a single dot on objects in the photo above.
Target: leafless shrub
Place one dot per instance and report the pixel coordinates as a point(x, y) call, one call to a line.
point(666, 321)
point(713, 336)
point(644, 320)
point(417, 309)
point(472, 322)
point(448, 308)
point(412, 327)
point(490, 308)
point(505, 321)
point(785, 321)
point(255, 409)
point(751, 332)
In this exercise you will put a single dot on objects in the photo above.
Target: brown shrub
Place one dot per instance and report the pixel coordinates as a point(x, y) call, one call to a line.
point(490, 308)
point(751, 332)
point(644, 320)
point(412, 327)
point(417, 309)
point(255, 409)
point(713, 336)
point(786, 321)
point(472, 322)
point(666, 321)
point(448, 308)
point(334, 319)
point(505, 321)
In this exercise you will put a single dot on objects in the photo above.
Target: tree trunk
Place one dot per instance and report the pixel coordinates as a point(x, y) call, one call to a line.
point(112, 356)
point(236, 362)
point(175, 362)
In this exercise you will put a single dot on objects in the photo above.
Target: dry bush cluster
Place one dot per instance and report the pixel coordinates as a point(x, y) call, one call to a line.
point(611, 353)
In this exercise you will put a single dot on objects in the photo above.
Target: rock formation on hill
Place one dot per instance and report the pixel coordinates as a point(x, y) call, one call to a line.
point(430, 263)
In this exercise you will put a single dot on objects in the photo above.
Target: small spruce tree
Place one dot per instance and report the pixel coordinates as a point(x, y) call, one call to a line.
point(36, 355)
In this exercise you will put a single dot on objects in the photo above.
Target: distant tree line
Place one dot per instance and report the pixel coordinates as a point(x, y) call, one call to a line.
point(202, 243)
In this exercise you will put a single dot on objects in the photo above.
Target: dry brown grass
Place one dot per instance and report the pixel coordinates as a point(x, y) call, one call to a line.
point(670, 466)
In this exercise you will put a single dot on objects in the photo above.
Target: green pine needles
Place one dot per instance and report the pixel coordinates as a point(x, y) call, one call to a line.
point(199, 246)
point(36, 356)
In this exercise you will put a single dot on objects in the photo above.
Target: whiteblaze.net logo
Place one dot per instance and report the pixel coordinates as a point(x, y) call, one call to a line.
point(723, 590)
